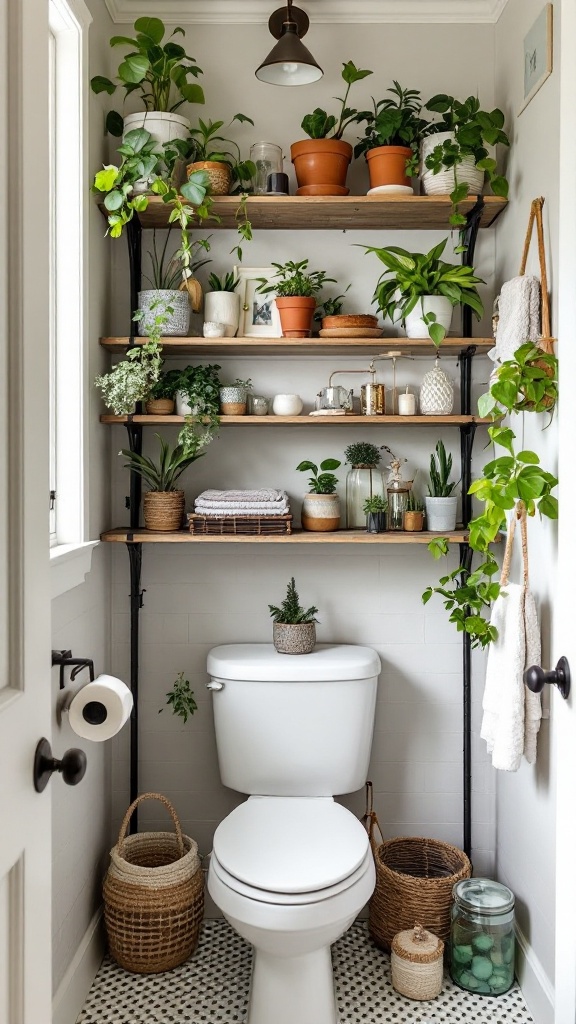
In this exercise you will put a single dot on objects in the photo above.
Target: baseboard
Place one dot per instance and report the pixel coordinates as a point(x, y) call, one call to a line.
point(75, 985)
point(537, 989)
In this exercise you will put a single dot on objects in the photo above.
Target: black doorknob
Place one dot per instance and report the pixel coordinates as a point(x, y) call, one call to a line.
point(72, 766)
point(536, 678)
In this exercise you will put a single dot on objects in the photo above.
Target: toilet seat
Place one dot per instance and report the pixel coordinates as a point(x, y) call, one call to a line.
point(290, 849)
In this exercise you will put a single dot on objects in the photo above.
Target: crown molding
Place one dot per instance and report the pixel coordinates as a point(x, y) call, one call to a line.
point(359, 12)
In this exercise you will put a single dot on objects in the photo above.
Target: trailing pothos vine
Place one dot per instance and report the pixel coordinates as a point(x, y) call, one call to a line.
point(526, 383)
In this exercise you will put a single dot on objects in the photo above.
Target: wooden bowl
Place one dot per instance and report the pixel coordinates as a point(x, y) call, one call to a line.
point(356, 320)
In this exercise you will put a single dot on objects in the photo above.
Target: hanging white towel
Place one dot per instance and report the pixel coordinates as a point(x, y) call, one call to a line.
point(532, 701)
point(518, 317)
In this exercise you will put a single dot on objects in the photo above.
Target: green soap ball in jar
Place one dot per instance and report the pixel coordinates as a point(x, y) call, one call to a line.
point(462, 954)
point(498, 984)
point(482, 967)
point(482, 942)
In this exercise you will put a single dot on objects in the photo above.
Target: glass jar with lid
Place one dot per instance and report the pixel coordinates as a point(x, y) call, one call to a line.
point(482, 943)
point(362, 482)
point(397, 506)
point(267, 158)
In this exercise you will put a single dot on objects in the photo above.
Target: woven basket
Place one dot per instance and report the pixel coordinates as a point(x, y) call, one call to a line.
point(414, 881)
point(153, 896)
point(219, 175)
point(163, 510)
point(417, 963)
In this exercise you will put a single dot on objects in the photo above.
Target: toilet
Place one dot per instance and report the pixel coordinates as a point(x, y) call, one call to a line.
point(291, 868)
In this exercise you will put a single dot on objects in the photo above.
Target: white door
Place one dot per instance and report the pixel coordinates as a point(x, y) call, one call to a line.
point(564, 712)
point(25, 862)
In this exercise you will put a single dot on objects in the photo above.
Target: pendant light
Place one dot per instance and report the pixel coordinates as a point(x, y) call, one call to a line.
point(289, 62)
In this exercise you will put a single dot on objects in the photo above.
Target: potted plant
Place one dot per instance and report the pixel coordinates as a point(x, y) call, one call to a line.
point(233, 397)
point(160, 401)
point(321, 507)
point(526, 383)
point(163, 502)
point(165, 294)
point(210, 152)
point(222, 302)
point(321, 164)
point(414, 514)
point(421, 290)
point(455, 157)
point(159, 73)
point(375, 510)
point(441, 502)
point(392, 138)
point(133, 378)
point(294, 629)
point(196, 391)
point(364, 480)
point(296, 289)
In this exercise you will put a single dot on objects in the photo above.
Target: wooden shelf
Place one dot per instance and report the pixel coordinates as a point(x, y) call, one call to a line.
point(220, 347)
point(327, 212)
point(304, 420)
point(124, 535)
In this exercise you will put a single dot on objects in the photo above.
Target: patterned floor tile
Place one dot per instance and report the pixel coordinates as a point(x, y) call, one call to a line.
point(212, 988)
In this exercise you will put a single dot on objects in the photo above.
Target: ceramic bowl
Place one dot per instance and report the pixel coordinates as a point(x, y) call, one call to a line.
point(212, 329)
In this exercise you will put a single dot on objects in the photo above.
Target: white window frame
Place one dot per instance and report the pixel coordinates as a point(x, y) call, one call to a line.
point(71, 552)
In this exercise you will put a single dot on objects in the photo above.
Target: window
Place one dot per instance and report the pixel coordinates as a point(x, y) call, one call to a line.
point(69, 197)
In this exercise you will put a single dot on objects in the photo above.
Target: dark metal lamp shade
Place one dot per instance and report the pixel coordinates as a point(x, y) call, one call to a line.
point(289, 62)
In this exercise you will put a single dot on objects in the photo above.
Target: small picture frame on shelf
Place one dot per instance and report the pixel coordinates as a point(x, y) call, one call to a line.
point(259, 317)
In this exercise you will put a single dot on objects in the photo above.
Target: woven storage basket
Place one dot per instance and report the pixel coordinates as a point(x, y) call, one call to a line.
point(153, 896)
point(163, 510)
point(417, 963)
point(414, 881)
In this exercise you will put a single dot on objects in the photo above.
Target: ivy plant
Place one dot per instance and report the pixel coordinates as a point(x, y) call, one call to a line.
point(158, 71)
point(528, 382)
point(181, 699)
point(116, 183)
point(467, 595)
point(321, 125)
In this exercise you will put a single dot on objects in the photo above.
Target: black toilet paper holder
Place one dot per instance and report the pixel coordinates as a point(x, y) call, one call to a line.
point(65, 660)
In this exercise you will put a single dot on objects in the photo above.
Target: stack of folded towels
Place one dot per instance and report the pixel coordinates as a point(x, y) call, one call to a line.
point(263, 502)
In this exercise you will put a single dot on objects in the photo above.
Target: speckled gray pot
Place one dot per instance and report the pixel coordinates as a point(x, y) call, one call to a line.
point(294, 639)
point(175, 305)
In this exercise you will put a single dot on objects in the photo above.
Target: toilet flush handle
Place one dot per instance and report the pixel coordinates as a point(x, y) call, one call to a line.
point(214, 684)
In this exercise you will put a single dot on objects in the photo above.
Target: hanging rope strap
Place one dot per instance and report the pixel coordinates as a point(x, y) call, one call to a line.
point(519, 513)
point(546, 342)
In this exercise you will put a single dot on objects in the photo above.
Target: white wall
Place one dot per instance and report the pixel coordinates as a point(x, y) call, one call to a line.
point(525, 851)
point(81, 622)
point(197, 597)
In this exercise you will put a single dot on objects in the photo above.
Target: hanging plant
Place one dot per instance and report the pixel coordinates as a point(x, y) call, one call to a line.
point(526, 383)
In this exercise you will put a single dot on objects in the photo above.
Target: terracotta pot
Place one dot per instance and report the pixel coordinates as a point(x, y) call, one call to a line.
point(160, 406)
point(321, 513)
point(387, 165)
point(321, 162)
point(413, 522)
point(219, 174)
point(297, 638)
point(163, 510)
point(296, 315)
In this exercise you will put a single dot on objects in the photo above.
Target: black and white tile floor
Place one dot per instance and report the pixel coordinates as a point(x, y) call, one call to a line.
point(212, 988)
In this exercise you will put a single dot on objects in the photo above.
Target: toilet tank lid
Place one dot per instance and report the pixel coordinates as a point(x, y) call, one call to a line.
point(262, 663)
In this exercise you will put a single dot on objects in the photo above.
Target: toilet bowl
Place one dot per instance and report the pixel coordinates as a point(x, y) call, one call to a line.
point(290, 875)
point(291, 868)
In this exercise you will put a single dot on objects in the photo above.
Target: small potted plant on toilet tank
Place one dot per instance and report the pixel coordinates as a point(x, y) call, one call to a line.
point(294, 630)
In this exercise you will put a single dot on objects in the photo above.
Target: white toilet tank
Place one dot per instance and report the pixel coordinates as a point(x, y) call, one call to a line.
point(293, 725)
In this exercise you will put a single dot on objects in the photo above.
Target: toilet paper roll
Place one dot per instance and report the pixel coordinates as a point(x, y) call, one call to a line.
point(100, 709)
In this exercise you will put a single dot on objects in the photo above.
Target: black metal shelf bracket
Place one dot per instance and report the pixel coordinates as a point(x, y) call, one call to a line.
point(136, 601)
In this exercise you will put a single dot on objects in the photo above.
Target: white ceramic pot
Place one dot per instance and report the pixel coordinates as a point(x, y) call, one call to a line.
point(223, 308)
point(442, 184)
point(163, 127)
point(321, 513)
point(441, 514)
point(437, 304)
point(173, 304)
point(287, 405)
point(183, 407)
point(436, 393)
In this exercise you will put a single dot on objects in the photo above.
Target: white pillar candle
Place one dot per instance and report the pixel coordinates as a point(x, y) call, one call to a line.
point(407, 404)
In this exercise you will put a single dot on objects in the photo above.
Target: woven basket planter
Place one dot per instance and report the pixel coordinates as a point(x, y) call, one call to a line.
point(219, 175)
point(414, 881)
point(153, 896)
point(163, 510)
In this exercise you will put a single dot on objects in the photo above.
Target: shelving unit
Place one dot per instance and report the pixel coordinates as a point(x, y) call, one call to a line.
point(311, 213)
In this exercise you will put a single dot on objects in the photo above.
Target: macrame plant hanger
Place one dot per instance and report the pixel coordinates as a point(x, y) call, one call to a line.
point(545, 342)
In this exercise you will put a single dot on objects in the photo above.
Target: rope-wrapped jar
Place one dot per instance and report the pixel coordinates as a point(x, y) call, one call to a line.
point(417, 963)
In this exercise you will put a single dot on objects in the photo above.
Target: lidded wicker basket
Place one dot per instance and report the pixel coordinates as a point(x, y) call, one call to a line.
point(153, 896)
point(417, 963)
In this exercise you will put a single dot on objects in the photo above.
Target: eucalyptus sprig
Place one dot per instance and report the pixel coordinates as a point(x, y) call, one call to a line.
point(181, 699)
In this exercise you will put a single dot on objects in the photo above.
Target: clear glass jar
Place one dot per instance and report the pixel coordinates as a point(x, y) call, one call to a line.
point(482, 941)
point(397, 506)
point(267, 157)
point(361, 482)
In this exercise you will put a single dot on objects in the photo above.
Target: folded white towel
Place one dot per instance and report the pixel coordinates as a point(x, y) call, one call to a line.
point(272, 509)
point(511, 712)
point(236, 496)
point(518, 316)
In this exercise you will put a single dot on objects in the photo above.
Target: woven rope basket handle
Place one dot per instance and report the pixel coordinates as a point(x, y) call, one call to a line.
point(369, 819)
point(169, 807)
point(518, 514)
point(546, 342)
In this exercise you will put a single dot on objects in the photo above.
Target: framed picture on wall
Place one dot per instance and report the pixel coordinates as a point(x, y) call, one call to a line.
point(537, 54)
point(259, 317)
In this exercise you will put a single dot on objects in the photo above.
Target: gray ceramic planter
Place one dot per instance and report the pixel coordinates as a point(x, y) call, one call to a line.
point(294, 639)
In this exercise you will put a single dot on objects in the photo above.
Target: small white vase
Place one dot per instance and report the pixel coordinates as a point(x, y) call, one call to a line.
point(442, 184)
point(441, 514)
point(437, 304)
point(436, 393)
point(287, 405)
point(223, 308)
